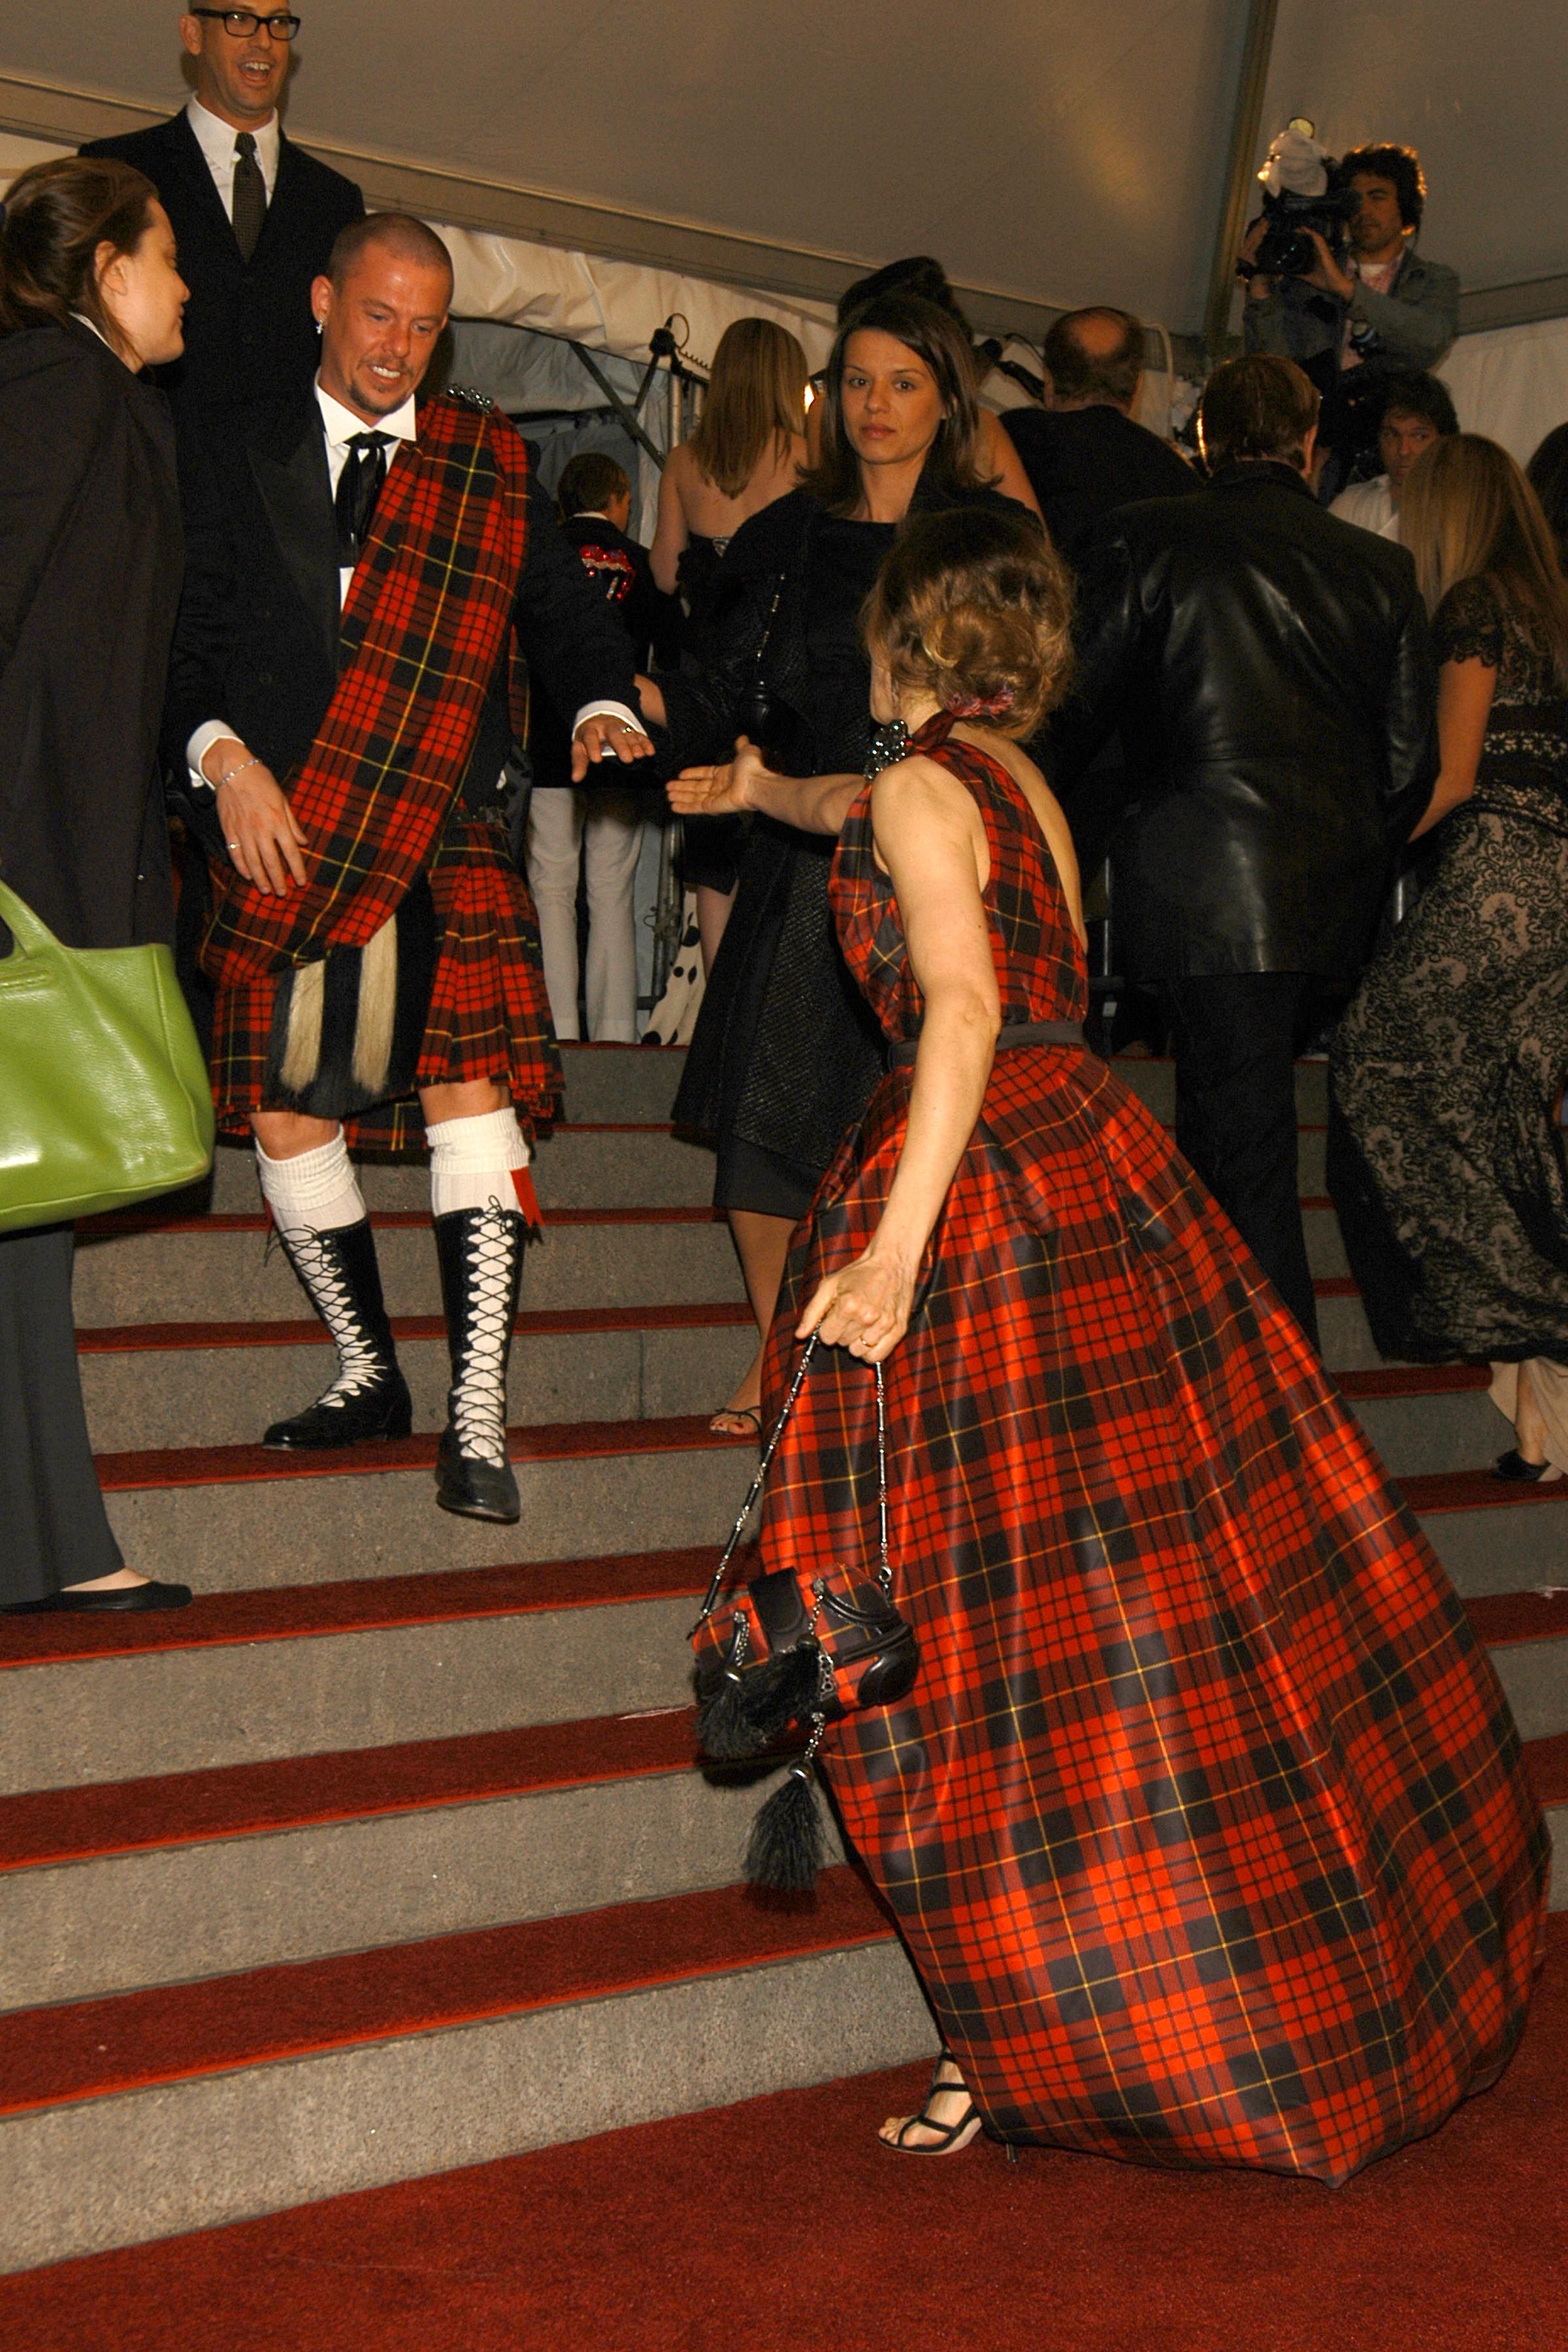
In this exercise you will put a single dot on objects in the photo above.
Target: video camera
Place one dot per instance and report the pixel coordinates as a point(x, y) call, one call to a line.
point(1299, 195)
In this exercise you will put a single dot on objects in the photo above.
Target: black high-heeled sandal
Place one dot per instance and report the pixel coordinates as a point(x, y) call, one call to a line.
point(1513, 1468)
point(950, 2138)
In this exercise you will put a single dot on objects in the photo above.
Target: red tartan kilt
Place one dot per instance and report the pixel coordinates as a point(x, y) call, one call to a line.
point(1205, 1823)
point(489, 1017)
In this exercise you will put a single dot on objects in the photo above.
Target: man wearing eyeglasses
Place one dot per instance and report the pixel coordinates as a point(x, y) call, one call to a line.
point(254, 216)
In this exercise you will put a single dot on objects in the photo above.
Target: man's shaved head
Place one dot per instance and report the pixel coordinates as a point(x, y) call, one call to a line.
point(398, 234)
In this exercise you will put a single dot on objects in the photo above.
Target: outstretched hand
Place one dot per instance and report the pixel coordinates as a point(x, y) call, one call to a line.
point(864, 1308)
point(718, 791)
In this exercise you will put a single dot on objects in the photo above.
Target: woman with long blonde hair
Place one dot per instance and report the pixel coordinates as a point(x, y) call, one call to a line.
point(747, 450)
point(1445, 1158)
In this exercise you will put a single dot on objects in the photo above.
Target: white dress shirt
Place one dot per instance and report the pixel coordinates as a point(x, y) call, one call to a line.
point(339, 425)
point(215, 139)
point(1370, 504)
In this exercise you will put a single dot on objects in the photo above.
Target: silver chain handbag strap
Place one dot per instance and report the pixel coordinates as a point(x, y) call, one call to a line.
point(884, 1570)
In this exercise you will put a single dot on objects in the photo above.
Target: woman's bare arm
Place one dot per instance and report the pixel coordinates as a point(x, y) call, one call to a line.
point(670, 533)
point(811, 804)
point(931, 838)
point(1465, 690)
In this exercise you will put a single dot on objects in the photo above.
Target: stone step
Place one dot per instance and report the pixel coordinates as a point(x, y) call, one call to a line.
point(229, 1517)
point(107, 1889)
point(620, 1083)
point(241, 1677)
point(603, 1167)
point(220, 1384)
point(247, 1675)
point(221, 1270)
point(180, 2106)
point(1427, 1419)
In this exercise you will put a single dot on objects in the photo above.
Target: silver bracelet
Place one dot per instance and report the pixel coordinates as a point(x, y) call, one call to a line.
point(251, 763)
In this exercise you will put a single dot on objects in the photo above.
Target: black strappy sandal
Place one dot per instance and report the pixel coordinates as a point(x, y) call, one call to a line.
point(1513, 1468)
point(752, 1413)
point(950, 2137)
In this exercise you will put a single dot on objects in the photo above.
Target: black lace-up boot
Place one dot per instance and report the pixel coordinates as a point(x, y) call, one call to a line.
point(481, 1253)
point(369, 1397)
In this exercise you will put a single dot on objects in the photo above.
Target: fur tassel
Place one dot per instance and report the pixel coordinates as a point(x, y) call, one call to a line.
point(307, 1003)
point(376, 1013)
point(749, 1712)
point(786, 1847)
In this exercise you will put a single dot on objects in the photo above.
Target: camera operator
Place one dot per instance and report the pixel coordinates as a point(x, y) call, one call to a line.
point(1377, 303)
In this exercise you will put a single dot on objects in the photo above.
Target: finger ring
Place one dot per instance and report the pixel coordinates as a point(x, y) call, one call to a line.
point(231, 844)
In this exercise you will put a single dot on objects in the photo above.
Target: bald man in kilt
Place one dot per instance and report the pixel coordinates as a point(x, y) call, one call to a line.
point(363, 573)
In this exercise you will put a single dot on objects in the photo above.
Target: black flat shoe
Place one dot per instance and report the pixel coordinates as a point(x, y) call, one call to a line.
point(1513, 1468)
point(117, 1598)
point(475, 1490)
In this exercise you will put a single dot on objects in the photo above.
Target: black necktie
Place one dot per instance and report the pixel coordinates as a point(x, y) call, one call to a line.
point(249, 192)
point(359, 486)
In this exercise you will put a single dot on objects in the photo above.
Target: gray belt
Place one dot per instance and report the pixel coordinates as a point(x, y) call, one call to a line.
point(1011, 1033)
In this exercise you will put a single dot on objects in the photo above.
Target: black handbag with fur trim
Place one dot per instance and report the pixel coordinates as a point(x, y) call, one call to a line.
point(802, 1645)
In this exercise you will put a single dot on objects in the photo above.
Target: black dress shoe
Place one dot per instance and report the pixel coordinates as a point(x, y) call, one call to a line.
point(1513, 1466)
point(118, 1598)
point(381, 1408)
point(475, 1490)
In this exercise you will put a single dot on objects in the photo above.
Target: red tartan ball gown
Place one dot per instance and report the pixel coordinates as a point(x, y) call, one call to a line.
point(1205, 1824)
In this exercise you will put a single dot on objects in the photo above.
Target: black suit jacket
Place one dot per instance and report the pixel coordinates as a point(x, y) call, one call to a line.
point(1271, 672)
point(90, 578)
point(250, 340)
point(257, 639)
point(1084, 463)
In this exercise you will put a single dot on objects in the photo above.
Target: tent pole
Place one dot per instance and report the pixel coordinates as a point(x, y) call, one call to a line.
point(627, 415)
point(1256, 53)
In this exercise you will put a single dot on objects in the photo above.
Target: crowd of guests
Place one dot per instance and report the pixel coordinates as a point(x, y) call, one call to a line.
point(1155, 1817)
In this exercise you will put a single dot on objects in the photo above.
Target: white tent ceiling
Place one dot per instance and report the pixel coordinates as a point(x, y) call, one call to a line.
point(1049, 152)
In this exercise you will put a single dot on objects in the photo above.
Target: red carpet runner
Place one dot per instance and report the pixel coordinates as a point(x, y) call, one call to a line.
point(780, 2226)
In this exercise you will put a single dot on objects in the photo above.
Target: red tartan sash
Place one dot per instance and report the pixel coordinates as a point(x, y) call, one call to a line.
point(424, 627)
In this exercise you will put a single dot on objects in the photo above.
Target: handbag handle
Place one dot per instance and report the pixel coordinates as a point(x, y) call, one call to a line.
point(884, 1570)
point(29, 931)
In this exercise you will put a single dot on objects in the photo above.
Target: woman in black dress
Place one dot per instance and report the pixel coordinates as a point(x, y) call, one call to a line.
point(785, 1054)
point(90, 578)
point(1445, 1157)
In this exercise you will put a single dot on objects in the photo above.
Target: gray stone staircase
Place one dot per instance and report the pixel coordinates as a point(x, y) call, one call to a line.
point(388, 1855)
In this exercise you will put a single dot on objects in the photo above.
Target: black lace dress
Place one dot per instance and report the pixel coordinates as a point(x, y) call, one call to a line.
point(1445, 1157)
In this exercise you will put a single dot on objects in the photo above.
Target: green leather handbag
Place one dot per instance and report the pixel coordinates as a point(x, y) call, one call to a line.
point(104, 1098)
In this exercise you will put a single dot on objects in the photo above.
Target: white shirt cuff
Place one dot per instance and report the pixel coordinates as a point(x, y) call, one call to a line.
point(211, 731)
point(607, 710)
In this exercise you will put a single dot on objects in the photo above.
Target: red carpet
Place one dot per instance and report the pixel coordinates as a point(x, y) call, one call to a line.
point(780, 2226)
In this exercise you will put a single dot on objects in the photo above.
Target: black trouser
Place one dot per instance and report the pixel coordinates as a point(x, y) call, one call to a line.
point(53, 1527)
point(1235, 1036)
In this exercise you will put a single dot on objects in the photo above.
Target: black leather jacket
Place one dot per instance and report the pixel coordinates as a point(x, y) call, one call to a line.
point(1271, 672)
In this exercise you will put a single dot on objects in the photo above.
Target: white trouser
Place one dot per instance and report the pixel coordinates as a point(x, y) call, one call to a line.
point(606, 828)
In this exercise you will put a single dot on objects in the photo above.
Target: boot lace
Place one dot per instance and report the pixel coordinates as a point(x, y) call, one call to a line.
point(360, 1364)
point(478, 1398)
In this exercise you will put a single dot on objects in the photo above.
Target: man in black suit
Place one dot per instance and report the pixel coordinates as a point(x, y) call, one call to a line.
point(1271, 672)
point(253, 216)
point(1084, 455)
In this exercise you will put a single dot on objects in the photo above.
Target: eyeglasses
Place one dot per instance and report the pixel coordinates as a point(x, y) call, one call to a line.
point(243, 22)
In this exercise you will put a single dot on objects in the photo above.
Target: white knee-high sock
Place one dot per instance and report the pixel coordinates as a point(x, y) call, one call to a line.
point(473, 1161)
point(317, 1189)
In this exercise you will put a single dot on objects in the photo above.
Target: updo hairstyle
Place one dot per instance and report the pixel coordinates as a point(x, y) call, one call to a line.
point(976, 609)
point(55, 219)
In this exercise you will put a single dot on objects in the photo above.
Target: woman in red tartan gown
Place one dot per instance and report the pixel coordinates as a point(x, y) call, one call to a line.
point(1204, 1823)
